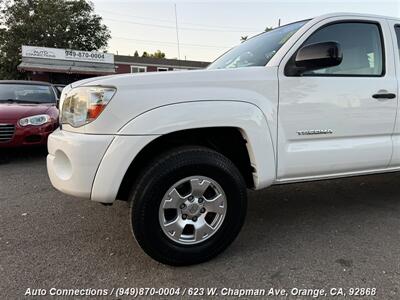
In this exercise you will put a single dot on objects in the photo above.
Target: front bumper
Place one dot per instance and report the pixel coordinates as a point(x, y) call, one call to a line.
point(73, 160)
point(26, 136)
point(91, 166)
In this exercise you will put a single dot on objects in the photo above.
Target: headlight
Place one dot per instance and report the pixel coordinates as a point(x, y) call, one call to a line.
point(35, 120)
point(82, 105)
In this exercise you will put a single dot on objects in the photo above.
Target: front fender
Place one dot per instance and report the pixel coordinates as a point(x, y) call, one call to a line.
point(145, 128)
point(245, 116)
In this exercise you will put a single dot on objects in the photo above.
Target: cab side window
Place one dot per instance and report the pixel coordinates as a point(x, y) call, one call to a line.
point(362, 48)
point(397, 29)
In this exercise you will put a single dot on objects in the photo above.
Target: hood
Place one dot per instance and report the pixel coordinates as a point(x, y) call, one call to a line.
point(177, 79)
point(95, 80)
point(140, 93)
point(13, 111)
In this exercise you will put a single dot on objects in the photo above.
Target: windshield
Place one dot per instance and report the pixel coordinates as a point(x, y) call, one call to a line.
point(26, 93)
point(258, 50)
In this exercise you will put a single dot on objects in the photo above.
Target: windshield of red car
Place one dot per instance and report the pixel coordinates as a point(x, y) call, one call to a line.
point(26, 93)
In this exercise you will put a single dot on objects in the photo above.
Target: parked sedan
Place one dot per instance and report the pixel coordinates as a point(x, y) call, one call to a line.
point(28, 112)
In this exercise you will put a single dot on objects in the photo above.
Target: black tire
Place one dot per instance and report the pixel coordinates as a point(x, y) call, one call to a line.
point(154, 182)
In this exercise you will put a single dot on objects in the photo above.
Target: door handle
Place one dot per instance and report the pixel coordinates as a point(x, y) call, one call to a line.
point(384, 96)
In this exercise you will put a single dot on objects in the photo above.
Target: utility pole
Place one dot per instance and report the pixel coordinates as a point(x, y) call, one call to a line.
point(279, 22)
point(177, 34)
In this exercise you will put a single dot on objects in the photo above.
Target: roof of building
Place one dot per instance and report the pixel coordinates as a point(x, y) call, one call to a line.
point(160, 61)
point(65, 66)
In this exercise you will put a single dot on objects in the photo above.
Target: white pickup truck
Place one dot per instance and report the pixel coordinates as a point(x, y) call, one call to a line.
point(311, 100)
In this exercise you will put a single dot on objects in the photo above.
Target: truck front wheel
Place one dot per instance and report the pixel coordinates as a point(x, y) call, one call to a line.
point(188, 206)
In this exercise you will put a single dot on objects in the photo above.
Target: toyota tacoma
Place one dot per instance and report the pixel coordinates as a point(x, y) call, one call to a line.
point(311, 100)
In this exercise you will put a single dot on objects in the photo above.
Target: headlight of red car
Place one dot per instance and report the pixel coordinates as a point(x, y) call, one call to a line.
point(36, 120)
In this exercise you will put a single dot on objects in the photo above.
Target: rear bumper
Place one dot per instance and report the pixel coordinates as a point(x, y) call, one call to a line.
point(73, 160)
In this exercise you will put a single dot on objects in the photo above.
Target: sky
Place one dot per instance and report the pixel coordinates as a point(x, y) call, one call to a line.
point(206, 29)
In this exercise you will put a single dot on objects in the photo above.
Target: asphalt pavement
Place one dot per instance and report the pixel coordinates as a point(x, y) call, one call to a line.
point(342, 233)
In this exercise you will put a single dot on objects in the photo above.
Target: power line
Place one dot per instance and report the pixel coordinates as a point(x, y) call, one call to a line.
point(239, 29)
point(170, 43)
point(181, 28)
point(137, 17)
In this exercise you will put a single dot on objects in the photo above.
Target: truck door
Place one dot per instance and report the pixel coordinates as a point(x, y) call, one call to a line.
point(395, 29)
point(339, 120)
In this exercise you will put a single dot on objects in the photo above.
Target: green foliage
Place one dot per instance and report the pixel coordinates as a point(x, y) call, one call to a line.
point(47, 23)
point(157, 54)
point(245, 37)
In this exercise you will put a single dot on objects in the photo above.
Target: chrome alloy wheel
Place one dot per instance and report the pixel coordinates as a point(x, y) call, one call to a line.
point(192, 210)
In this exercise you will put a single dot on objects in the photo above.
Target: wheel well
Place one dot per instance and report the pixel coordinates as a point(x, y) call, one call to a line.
point(226, 140)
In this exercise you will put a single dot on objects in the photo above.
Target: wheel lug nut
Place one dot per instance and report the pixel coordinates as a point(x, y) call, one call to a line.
point(194, 219)
point(201, 200)
point(202, 210)
point(191, 198)
point(182, 206)
point(184, 216)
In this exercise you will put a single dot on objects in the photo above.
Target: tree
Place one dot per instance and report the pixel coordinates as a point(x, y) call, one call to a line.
point(47, 23)
point(158, 54)
point(136, 54)
point(245, 37)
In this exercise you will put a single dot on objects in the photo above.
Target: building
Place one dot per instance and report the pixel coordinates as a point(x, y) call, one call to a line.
point(64, 66)
point(132, 64)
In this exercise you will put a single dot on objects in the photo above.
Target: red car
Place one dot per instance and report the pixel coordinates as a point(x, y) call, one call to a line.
point(28, 112)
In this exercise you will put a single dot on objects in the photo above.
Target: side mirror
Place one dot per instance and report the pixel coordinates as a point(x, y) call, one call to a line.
point(318, 56)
